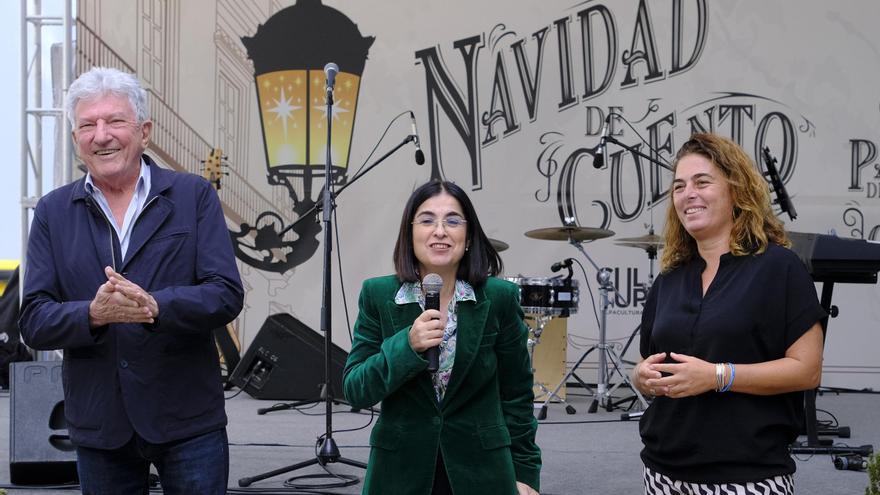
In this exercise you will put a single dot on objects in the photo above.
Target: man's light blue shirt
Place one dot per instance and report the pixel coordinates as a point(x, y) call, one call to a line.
point(135, 206)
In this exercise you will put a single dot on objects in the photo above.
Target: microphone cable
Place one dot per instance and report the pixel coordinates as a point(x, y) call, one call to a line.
point(342, 480)
point(341, 276)
point(387, 128)
point(589, 289)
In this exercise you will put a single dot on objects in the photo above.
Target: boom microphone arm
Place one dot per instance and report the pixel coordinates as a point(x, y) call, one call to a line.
point(611, 139)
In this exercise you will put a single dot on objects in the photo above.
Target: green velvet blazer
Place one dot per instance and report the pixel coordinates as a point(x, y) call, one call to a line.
point(485, 427)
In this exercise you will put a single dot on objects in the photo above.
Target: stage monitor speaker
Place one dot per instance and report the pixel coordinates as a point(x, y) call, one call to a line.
point(40, 451)
point(286, 362)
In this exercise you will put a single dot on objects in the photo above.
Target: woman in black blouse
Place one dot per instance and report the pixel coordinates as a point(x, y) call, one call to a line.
point(731, 334)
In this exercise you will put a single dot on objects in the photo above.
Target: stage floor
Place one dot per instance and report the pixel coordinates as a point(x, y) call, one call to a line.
point(582, 453)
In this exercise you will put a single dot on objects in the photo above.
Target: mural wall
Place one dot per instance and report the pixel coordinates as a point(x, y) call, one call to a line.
point(510, 100)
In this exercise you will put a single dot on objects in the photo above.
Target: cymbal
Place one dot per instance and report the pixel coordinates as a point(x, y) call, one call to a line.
point(565, 233)
point(644, 239)
point(498, 245)
point(641, 245)
point(647, 242)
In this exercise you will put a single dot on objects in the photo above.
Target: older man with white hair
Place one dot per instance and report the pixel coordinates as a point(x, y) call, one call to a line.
point(129, 270)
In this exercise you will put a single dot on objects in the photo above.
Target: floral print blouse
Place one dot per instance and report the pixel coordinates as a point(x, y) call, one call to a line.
point(411, 292)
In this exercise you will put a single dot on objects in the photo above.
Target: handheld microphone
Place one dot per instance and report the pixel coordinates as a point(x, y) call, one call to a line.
point(559, 265)
point(432, 283)
point(330, 70)
point(420, 156)
point(599, 155)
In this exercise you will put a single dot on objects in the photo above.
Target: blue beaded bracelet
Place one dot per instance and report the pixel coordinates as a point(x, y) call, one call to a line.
point(732, 376)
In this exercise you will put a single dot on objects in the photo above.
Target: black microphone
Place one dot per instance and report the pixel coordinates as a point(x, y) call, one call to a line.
point(432, 283)
point(559, 265)
point(420, 156)
point(599, 154)
point(330, 70)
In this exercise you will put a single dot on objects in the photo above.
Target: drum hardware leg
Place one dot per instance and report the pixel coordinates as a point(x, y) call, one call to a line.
point(540, 322)
point(607, 353)
point(629, 341)
point(542, 410)
point(619, 369)
point(570, 374)
point(631, 415)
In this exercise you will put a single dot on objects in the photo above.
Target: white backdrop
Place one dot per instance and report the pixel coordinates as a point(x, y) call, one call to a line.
point(518, 134)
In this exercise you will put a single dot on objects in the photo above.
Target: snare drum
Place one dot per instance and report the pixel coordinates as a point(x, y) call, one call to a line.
point(547, 296)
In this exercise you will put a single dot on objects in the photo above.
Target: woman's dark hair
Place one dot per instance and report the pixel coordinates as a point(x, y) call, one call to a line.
point(480, 260)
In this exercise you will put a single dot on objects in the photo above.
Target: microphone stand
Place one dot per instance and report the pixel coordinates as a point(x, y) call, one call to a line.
point(320, 206)
point(813, 444)
point(328, 452)
point(606, 352)
point(652, 255)
point(611, 139)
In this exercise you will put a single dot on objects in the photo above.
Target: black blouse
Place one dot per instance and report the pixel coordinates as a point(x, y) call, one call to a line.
point(756, 307)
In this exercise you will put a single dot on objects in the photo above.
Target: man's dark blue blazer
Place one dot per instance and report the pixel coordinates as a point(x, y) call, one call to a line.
point(160, 380)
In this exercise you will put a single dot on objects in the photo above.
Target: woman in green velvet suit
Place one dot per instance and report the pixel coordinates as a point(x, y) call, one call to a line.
point(468, 428)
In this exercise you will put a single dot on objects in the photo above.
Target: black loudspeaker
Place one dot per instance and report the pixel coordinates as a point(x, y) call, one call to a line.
point(40, 451)
point(286, 362)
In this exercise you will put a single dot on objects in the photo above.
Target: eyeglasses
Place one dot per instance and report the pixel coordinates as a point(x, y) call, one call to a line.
point(451, 223)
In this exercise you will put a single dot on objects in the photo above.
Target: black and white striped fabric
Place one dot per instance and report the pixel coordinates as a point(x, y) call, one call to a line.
point(659, 484)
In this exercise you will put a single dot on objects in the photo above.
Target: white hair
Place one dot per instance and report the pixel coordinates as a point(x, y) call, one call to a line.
point(99, 81)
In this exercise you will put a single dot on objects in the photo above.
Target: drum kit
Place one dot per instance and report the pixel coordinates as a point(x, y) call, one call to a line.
point(546, 298)
point(551, 297)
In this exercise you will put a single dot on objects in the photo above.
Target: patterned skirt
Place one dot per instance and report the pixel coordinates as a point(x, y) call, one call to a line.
point(660, 484)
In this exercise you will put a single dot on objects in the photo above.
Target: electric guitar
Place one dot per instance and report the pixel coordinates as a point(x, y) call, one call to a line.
point(214, 167)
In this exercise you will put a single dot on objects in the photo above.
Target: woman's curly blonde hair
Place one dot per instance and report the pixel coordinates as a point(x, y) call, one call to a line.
point(754, 224)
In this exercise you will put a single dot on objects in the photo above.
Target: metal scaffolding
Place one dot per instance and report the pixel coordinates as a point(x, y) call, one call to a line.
point(34, 23)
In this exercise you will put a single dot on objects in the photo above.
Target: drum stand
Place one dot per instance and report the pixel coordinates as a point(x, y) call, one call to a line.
point(649, 244)
point(606, 351)
point(652, 255)
point(540, 322)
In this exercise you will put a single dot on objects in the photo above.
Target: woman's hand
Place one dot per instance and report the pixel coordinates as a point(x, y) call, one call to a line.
point(645, 371)
point(686, 377)
point(524, 489)
point(427, 330)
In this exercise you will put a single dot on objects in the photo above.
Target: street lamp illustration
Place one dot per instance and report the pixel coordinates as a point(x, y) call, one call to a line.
point(289, 53)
